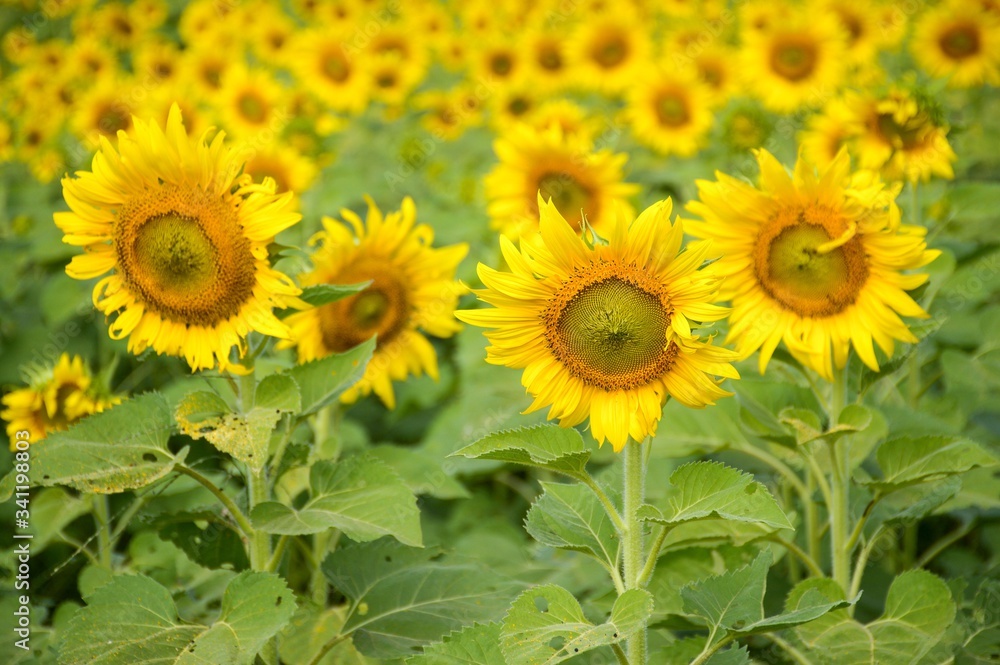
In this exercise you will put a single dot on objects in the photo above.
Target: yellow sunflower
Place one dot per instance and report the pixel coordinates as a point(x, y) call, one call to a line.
point(102, 111)
point(826, 133)
point(57, 397)
point(814, 260)
point(251, 102)
point(670, 113)
point(961, 41)
point(902, 134)
point(580, 181)
point(547, 58)
point(413, 293)
point(609, 50)
point(605, 330)
point(795, 62)
point(186, 238)
point(321, 64)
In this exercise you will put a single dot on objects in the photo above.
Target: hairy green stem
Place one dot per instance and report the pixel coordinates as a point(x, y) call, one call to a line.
point(840, 490)
point(635, 485)
point(102, 515)
point(609, 507)
point(241, 520)
point(802, 556)
point(325, 425)
point(653, 556)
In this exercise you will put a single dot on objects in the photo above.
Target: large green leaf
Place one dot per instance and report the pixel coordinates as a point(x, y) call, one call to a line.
point(404, 598)
point(122, 448)
point(918, 609)
point(703, 490)
point(360, 495)
point(322, 381)
point(546, 625)
point(908, 460)
point(132, 620)
point(551, 447)
point(732, 600)
point(473, 645)
point(571, 517)
point(421, 472)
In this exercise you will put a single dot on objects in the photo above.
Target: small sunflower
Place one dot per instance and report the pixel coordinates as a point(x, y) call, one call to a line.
point(902, 134)
point(960, 41)
point(413, 294)
point(581, 182)
point(186, 237)
point(605, 331)
point(826, 133)
point(608, 51)
point(547, 58)
point(337, 79)
point(251, 101)
point(794, 62)
point(102, 112)
point(57, 397)
point(670, 113)
point(814, 260)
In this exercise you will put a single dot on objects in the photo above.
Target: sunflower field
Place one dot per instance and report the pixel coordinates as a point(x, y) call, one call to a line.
point(507, 332)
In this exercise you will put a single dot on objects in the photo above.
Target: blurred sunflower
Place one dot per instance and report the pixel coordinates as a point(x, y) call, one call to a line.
point(157, 61)
point(251, 101)
point(56, 397)
point(826, 133)
point(581, 183)
point(746, 127)
point(795, 61)
point(443, 116)
point(102, 111)
point(413, 294)
point(605, 331)
point(571, 119)
point(548, 65)
point(959, 41)
point(814, 260)
point(902, 134)
point(670, 113)
point(338, 81)
point(512, 105)
point(499, 61)
point(609, 50)
point(186, 237)
point(291, 171)
point(204, 68)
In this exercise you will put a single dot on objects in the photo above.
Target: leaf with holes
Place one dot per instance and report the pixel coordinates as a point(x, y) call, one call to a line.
point(545, 625)
point(703, 490)
point(549, 447)
point(360, 495)
point(122, 448)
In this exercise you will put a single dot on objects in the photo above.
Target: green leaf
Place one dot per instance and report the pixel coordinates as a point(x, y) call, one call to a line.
point(918, 609)
point(324, 294)
point(122, 448)
point(200, 407)
point(322, 381)
point(132, 620)
point(474, 645)
point(279, 392)
point(571, 517)
point(360, 495)
point(910, 504)
point(309, 630)
point(709, 489)
point(908, 460)
point(244, 436)
point(733, 600)
point(404, 598)
point(421, 472)
point(215, 546)
point(551, 447)
point(546, 625)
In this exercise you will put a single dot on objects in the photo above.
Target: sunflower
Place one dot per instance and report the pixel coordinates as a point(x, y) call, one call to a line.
point(902, 134)
point(814, 260)
point(960, 41)
point(251, 102)
point(746, 127)
point(547, 59)
point(186, 237)
point(608, 51)
point(571, 119)
point(102, 111)
point(291, 171)
point(413, 293)
point(580, 181)
point(498, 61)
point(157, 62)
point(605, 330)
point(794, 62)
point(57, 397)
point(670, 113)
point(338, 80)
point(826, 133)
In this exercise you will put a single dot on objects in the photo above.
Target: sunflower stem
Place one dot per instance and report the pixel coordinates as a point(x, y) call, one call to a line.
point(840, 487)
point(102, 515)
point(913, 363)
point(635, 483)
point(325, 425)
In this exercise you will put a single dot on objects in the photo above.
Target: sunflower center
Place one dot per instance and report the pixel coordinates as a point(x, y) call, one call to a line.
point(550, 59)
point(611, 52)
point(112, 119)
point(382, 309)
point(671, 110)
point(793, 60)
point(184, 255)
point(176, 252)
point(335, 68)
point(960, 41)
point(608, 326)
point(901, 136)
point(568, 194)
point(252, 107)
point(811, 261)
point(501, 64)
